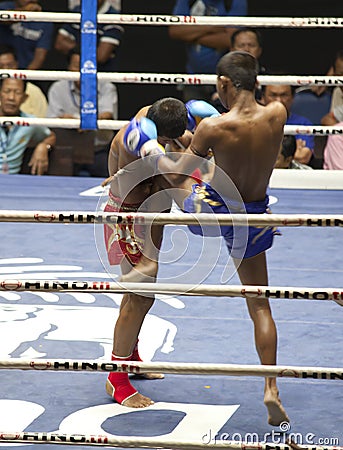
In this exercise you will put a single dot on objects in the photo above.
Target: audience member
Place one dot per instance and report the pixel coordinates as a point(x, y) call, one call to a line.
point(205, 44)
point(64, 102)
point(311, 103)
point(14, 139)
point(31, 40)
point(36, 102)
point(285, 95)
point(286, 154)
point(333, 151)
point(248, 40)
point(108, 38)
point(336, 108)
point(285, 159)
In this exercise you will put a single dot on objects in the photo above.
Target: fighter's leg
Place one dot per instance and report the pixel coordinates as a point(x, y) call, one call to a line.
point(147, 267)
point(131, 315)
point(253, 271)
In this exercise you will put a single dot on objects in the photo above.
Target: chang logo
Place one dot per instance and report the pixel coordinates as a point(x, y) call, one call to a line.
point(88, 108)
point(88, 27)
point(88, 67)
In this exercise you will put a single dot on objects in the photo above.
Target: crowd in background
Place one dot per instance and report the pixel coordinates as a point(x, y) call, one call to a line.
point(182, 49)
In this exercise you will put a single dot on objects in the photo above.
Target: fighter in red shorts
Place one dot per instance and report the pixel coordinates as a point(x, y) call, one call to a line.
point(132, 188)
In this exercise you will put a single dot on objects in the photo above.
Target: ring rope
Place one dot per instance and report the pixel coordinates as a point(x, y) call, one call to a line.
point(163, 20)
point(250, 370)
point(105, 440)
point(170, 78)
point(11, 283)
point(105, 124)
point(89, 217)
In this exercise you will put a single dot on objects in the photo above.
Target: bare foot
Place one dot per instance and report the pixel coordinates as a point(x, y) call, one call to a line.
point(142, 273)
point(136, 400)
point(276, 412)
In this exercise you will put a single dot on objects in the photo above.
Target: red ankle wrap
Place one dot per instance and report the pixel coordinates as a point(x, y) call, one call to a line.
point(118, 384)
point(135, 354)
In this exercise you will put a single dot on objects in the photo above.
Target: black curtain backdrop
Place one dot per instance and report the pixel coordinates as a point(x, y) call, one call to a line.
point(149, 48)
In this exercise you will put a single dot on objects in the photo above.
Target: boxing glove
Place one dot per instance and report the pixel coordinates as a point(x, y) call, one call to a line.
point(139, 133)
point(198, 110)
point(140, 139)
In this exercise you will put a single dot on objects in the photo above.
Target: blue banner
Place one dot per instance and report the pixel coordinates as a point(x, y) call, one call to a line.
point(88, 66)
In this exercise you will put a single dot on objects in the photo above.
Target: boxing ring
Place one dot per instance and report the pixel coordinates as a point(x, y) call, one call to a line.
point(49, 325)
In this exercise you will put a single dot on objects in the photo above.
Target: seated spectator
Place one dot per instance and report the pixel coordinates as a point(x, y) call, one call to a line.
point(205, 44)
point(36, 102)
point(336, 107)
point(248, 40)
point(30, 40)
point(285, 159)
point(108, 38)
point(15, 139)
point(64, 102)
point(333, 152)
point(286, 155)
point(285, 95)
point(313, 104)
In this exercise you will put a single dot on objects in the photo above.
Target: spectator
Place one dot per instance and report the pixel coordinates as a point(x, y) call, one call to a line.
point(333, 151)
point(336, 108)
point(64, 102)
point(286, 154)
point(248, 40)
point(285, 95)
point(108, 38)
point(14, 139)
point(36, 103)
point(205, 44)
point(30, 40)
point(285, 159)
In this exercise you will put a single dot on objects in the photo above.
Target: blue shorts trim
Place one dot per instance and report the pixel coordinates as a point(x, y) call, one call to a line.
point(242, 242)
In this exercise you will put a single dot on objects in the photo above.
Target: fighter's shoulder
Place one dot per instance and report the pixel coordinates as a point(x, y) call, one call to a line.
point(276, 108)
point(142, 112)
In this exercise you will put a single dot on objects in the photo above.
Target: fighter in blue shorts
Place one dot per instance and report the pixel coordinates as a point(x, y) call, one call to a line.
point(245, 144)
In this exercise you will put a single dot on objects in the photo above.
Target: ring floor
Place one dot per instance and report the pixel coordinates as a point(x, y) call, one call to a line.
point(202, 408)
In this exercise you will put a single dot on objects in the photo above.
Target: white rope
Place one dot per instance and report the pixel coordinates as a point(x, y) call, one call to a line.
point(59, 123)
point(10, 283)
point(163, 20)
point(138, 367)
point(170, 78)
point(105, 124)
point(87, 217)
point(105, 440)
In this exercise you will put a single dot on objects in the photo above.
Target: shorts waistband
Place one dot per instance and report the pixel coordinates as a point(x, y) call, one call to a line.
point(117, 203)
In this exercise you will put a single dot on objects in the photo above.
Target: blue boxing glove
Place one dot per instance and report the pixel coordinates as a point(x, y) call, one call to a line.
point(198, 110)
point(138, 133)
point(140, 140)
